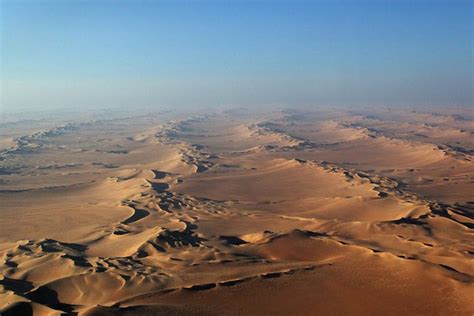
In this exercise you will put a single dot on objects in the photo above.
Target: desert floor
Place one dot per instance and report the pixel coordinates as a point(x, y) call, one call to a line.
point(293, 212)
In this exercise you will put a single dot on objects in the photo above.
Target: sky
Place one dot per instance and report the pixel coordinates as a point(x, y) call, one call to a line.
point(132, 53)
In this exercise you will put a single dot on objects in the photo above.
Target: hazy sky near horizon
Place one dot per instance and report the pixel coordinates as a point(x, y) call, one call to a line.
point(58, 53)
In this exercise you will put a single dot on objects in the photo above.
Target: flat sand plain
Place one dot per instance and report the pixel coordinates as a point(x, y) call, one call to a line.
point(285, 212)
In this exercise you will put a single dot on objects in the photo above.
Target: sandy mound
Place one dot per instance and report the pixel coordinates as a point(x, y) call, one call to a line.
point(289, 212)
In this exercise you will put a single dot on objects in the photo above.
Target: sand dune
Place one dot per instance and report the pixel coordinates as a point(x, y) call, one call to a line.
point(234, 212)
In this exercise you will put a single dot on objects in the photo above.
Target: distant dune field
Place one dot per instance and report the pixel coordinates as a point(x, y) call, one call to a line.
point(290, 212)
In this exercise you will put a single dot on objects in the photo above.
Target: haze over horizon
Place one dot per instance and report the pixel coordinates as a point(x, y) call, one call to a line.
point(58, 54)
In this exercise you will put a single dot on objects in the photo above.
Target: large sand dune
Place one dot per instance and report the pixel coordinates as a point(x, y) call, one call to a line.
point(233, 212)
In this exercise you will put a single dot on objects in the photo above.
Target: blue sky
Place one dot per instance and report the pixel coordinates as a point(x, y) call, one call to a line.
point(69, 53)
